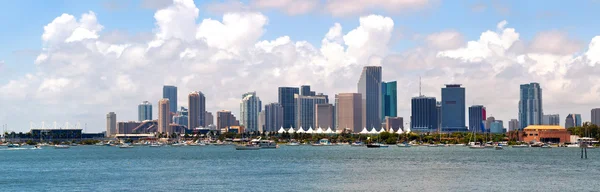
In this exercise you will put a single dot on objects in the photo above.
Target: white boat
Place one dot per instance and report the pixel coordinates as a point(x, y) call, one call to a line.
point(247, 147)
point(520, 146)
point(265, 144)
point(178, 144)
point(323, 142)
point(377, 145)
point(460, 145)
point(73, 144)
point(573, 145)
point(61, 146)
point(13, 145)
point(476, 147)
point(546, 146)
point(293, 144)
point(404, 145)
point(99, 144)
point(155, 145)
point(125, 146)
point(357, 144)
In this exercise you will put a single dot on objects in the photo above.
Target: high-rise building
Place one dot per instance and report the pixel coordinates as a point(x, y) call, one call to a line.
point(197, 105)
point(273, 117)
point(305, 90)
point(250, 107)
point(181, 117)
point(144, 111)
point(164, 115)
point(488, 123)
point(394, 123)
point(596, 116)
point(530, 105)
point(497, 127)
point(423, 114)
point(477, 114)
point(111, 124)
point(438, 107)
point(261, 122)
point(324, 115)
point(305, 110)
point(225, 119)
point(552, 119)
point(389, 103)
point(208, 118)
point(170, 92)
point(453, 108)
point(573, 120)
point(287, 101)
point(513, 125)
point(369, 86)
point(348, 111)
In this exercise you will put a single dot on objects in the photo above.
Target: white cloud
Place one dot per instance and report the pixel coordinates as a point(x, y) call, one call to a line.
point(554, 42)
point(235, 32)
point(177, 20)
point(292, 7)
point(66, 29)
point(444, 40)
point(351, 7)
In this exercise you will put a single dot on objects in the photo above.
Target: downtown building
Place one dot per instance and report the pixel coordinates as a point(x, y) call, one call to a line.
point(250, 108)
point(424, 114)
point(369, 86)
point(513, 125)
point(164, 116)
point(197, 110)
point(306, 109)
point(144, 111)
point(477, 115)
point(273, 117)
point(208, 118)
point(488, 123)
point(573, 120)
point(595, 116)
point(453, 108)
point(497, 127)
point(530, 105)
point(389, 100)
point(348, 112)
point(225, 119)
point(181, 117)
point(394, 123)
point(170, 92)
point(324, 116)
point(288, 102)
point(111, 124)
point(552, 119)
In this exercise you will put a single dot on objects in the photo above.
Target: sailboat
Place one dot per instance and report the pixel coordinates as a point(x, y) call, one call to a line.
point(405, 143)
point(475, 144)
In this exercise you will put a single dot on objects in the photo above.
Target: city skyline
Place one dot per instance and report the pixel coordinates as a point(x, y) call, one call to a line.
point(112, 55)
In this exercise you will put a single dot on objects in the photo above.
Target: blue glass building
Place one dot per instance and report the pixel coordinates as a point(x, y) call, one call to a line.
point(170, 92)
point(453, 108)
point(144, 111)
point(423, 114)
point(288, 103)
point(530, 105)
point(497, 127)
point(389, 103)
point(369, 86)
point(477, 115)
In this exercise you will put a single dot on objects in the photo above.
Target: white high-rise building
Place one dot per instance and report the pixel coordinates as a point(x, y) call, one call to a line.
point(250, 108)
point(111, 124)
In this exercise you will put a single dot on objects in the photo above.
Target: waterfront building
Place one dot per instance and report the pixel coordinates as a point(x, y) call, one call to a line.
point(127, 127)
point(488, 123)
point(394, 123)
point(305, 110)
point(438, 108)
point(324, 115)
point(477, 114)
point(58, 135)
point(513, 125)
point(208, 118)
point(287, 101)
point(596, 116)
point(552, 119)
point(164, 115)
point(497, 127)
point(530, 105)
point(181, 117)
point(261, 122)
point(546, 134)
point(197, 111)
point(573, 120)
point(225, 119)
point(389, 105)
point(170, 92)
point(453, 108)
point(273, 116)
point(348, 111)
point(369, 86)
point(111, 124)
point(423, 114)
point(250, 107)
point(144, 111)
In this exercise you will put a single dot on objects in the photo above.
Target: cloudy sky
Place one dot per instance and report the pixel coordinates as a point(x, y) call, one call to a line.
point(74, 61)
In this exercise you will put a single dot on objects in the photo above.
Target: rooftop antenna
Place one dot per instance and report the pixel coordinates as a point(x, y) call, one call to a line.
point(420, 87)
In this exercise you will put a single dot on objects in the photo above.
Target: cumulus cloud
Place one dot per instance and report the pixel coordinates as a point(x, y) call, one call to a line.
point(66, 28)
point(292, 7)
point(352, 7)
point(554, 42)
point(444, 40)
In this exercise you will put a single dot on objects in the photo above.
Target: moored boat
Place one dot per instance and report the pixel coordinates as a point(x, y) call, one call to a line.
point(377, 145)
point(247, 147)
point(61, 146)
point(357, 144)
point(404, 145)
point(293, 143)
point(323, 142)
point(520, 146)
point(125, 146)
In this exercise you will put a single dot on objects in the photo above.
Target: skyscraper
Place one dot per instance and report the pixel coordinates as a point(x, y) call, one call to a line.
point(573, 120)
point(423, 114)
point(497, 127)
point(208, 118)
point(453, 108)
point(261, 122)
point(181, 117)
point(389, 103)
point(369, 86)
point(305, 90)
point(324, 115)
point(170, 92)
point(111, 124)
point(225, 119)
point(164, 115)
point(197, 111)
point(273, 117)
point(348, 111)
point(596, 116)
point(513, 125)
point(530, 105)
point(477, 114)
point(250, 107)
point(305, 110)
point(144, 111)
point(488, 123)
point(287, 101)
point(552, 119)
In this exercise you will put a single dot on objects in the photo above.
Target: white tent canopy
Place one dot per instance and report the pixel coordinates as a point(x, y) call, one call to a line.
point(328, 131)
point(391, 130)
point(373, 131)
point(381, 130)
point(399, 131)
point(310, 130)
point(281, 130)
point(300, 130)
point(339, 131)
point(291, 130)
point(407, 130)
point(319, 130)
point(364, 131)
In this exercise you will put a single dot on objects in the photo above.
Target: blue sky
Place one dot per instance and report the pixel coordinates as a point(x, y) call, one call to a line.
point(551, 48)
